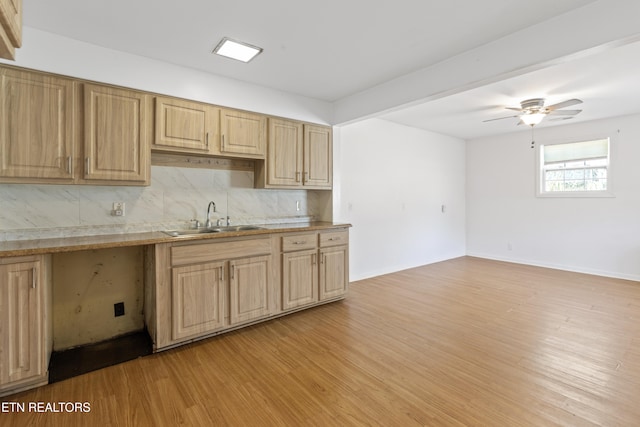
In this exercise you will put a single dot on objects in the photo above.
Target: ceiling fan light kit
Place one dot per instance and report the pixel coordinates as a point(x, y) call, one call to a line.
point(532, 111)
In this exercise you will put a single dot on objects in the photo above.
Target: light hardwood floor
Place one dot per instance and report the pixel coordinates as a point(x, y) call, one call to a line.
point(461, 342)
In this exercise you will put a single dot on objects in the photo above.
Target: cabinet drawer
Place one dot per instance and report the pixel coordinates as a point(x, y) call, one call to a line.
point(299, 242)
point(199, 253)
point(334, 238)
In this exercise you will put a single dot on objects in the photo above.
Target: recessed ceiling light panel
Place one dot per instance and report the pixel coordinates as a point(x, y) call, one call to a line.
point(236, 50)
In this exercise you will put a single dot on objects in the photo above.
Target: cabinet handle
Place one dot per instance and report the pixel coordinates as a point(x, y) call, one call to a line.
point(334, 239)
point(306, 177)
point(87, 162)
point(313, 259)
point(206, 140)
point(322, 259)
point(222, 273)
point(223, 142)
point(233, 271)
point(34, 273)
point(69, 165)
point(299, 242)
point(297, 176)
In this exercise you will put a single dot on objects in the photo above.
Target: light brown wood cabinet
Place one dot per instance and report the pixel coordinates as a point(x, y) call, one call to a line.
point(186, 126)
point(298, 156)
point(199, 289)
point(197, 299)
point(10, 27)
point(117, 135)
point(249, 289)
point(36, 127)
point(23, 318)
point(242, 134)
point(315, 268)
point(61, 131)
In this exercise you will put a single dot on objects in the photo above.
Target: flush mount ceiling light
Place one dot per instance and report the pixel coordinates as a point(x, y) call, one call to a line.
point(236, 50)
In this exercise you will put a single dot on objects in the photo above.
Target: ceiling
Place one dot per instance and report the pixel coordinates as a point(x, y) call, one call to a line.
point(334, 49)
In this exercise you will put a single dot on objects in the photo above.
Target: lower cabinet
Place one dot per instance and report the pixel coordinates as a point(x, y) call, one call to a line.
point(315, 268)
point(299, 278)
point(200, 288)
point(24, 338)
point(249, 289)
point(334, 272)
point(197, 299)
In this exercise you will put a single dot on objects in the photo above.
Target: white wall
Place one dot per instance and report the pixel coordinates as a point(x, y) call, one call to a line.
point(53, 53)
point(393, 180)
point(506, 221)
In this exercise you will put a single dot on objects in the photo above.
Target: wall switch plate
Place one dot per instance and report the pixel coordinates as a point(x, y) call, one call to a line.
point(298, 205)
point(118, 209)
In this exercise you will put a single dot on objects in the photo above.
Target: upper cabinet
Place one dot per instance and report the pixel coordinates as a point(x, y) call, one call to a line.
point(186, 126)
point(36, 127)
point(298, 156)
point(242, 134)
point(116, 135)
point(10, 27)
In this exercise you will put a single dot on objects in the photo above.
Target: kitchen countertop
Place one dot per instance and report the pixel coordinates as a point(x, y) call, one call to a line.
point(69, 244)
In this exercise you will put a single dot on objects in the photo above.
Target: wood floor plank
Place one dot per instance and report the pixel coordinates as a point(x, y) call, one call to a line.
point(465, 342)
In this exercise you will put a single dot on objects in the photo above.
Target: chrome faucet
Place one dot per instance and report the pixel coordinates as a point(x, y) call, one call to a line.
point(208, 223)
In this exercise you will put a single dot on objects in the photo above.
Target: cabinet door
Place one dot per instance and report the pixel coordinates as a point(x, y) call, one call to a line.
point(21, 326)
point(284, 153)
point(249, 287)
point(242, 134)
point(318, 156)
point(10, 27)
point(299, 279)
point(197, 294)
point(334, 272)
point(36, 119)
point(185, 126)
point(117, 144)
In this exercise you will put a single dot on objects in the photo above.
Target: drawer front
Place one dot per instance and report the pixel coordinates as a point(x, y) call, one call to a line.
point(299, 242)
point(198, 253)
point(334, 238)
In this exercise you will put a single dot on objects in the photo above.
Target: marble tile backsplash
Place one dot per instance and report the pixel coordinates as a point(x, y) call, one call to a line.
point(175, 196)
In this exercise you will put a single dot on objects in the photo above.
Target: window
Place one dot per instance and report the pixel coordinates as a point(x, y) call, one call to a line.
point(575, 169)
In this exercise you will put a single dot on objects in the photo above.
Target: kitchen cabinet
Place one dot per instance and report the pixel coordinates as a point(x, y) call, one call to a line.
point(299, 270)
point(298, 156)
point(24, 354)
point(197, 294)
point(186, 126)
point(242, 134)
point(334, 264)
point(10, 27)
point(249, 289)
point(36, 127)
point(199, 289)
point(315, 268)
point(116, 135)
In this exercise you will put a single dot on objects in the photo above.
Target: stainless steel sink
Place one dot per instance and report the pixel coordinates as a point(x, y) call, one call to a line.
point(190, 232)
point(236, 228)
point(198, 231)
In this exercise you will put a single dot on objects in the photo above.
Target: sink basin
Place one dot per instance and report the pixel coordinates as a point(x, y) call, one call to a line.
point(236, 228)
point(191, 232)
point(198, 231)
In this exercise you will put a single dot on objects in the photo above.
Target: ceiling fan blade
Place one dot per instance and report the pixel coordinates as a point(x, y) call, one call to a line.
point(557, 119)
point(564, 112)
point(563, 104)
point(513, 108)
point(500, 118)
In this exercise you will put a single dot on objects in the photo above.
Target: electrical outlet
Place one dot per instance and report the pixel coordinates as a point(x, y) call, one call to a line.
point(118, 209)
point(118, 309)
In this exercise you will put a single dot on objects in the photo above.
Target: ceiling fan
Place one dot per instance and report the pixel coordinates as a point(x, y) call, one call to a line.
point(532, 111)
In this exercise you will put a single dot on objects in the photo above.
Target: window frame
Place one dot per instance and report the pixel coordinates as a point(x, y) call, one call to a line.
point(574, 194)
